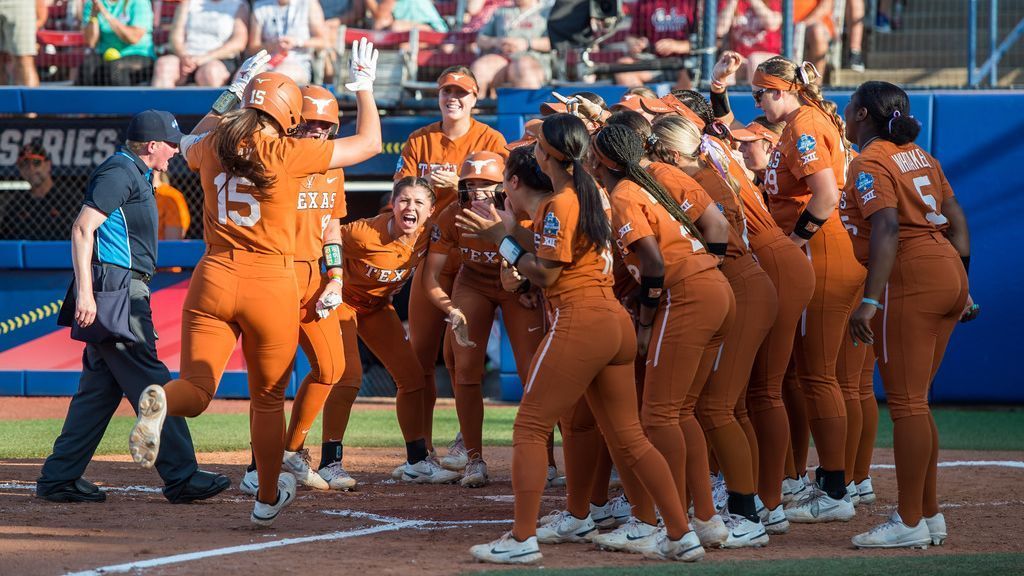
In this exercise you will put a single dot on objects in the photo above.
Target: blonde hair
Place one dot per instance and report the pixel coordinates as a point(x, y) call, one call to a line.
point(805, 78)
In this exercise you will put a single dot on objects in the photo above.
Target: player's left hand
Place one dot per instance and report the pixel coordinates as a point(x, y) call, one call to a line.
point(643, 339)
point(510, 278)
point(860, 323)
point(971, 310)
point(363, 68)
point(329, 299)
point(460, 328)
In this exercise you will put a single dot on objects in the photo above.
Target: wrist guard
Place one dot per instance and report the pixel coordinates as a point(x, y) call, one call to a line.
point(332, 255)
point(650, 290)
point(807, 224)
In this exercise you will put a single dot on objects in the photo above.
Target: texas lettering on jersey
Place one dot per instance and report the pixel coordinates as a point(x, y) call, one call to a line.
point(316, 200)
point(482, 256)
point(388, 276)
point(426, 169)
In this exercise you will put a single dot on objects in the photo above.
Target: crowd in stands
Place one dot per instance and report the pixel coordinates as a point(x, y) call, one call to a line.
point(169, 43)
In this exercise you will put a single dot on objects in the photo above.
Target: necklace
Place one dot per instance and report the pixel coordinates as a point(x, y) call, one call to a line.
point(400, 238)
point(865, 145)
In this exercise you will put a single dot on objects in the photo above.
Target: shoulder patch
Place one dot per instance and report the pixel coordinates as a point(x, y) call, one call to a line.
point(721, 208)
point(865, 182)
point(551, 224)
point(435, 233)
point(399, 164)
point(806, 143)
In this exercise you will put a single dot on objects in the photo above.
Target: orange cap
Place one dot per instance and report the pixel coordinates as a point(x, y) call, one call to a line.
point(483, 165)
point(530, 131)
point(629, 102)
point(754, 132)
point(319, 104)
point(549, 108)
point(464, 81)
point(669, 104)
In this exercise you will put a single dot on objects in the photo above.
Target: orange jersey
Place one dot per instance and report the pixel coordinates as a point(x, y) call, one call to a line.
point(171, 211)
point(375, 265)
point(321, 198)
point(237, 215)
point(556, 238)
point(478, 256)
point(809, 144)
point(730, 207)
point(635, 215)
point(428, 150)
point(682, 188)
point(759, 219)
point(902, 177)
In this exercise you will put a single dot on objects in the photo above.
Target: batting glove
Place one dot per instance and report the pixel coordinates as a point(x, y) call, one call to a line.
point(252, 66)
point(363, 69)
point(328, 302)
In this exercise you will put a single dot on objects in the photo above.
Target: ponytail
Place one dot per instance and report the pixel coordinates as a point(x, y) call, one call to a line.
point(888, 107)
point(804, 80)
point(234, 146)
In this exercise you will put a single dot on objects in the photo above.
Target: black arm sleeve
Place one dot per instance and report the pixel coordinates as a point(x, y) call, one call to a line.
point(720, 103)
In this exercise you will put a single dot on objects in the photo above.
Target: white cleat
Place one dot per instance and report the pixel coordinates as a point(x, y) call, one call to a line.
point(820, 507)
point(336, 477)
point(567, 528)
point(549, 517)
point(428, 472)
point(851, 491)
point(895, 534)
point(457, 457)
point(144, 440)
point(297, 463)
point(686, 549)
point(614, 512)
point(866, 491)
point(774, 520)
point(554, 480)
point(475, 475)
point(633, 536)
point(250, 483)
point(508, 550)
point(795, 488)
point(711, 532)
point(719, 492)
point(743, 533)
point(264, 514)
point(396, 474)
point(936, 528)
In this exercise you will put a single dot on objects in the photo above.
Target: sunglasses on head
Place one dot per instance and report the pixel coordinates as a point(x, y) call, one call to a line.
point(758, 94)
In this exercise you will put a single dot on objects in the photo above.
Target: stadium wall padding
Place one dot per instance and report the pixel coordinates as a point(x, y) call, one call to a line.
point(974, 134)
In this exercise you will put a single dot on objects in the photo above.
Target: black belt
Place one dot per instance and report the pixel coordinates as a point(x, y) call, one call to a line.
point(136, 275)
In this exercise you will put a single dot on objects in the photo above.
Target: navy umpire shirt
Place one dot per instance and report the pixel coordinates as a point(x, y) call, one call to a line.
point(120, 187)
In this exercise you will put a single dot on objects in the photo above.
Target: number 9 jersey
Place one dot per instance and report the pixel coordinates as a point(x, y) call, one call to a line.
point(906, 178)
point(239, 216)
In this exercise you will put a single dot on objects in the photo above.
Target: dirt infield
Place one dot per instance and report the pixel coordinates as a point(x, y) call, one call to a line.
point(982, 505)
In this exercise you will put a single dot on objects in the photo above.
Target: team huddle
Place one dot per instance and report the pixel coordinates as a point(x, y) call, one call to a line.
point(688, 299)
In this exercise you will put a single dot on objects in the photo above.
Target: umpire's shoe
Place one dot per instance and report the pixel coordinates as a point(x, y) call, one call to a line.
point(199, 486)
point(81, 490)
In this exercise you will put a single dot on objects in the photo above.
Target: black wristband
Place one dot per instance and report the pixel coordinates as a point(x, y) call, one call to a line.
point(718, 248)
point(807, 224)
point(650, 290)
point(720, 103)
point(967, 263)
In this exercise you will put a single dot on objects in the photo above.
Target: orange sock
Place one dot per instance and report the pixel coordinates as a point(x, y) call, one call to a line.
point(752, 444)
point(581, 441)
point(830, 442)
point(639, 499)
point(772, 427)
point(869, 429)
point(469, 405)
point(698, 475)
point(602, 476)
point(854, 429)
point(653, 472)
point(930, 500)
point(309, 400)
point(186, 399)
point(528, 477)
point(913, 451)
point(731, 443)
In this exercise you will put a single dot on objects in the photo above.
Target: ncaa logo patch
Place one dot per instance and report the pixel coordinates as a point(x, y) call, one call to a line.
point(806, 143)
point(399, 164)
point(551, 225)
point(720, 207)
point(435, 233)
point(865, 182)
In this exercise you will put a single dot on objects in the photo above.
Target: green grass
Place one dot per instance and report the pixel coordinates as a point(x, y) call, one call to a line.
point(959, 428)
point(864, 566)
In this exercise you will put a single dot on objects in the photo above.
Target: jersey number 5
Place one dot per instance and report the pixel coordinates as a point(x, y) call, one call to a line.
point(933, 216)
point(227, 191)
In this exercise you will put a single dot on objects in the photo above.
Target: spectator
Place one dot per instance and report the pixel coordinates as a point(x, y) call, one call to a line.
point(18, 25)
point(515, 46)
point(819, 29)
point(479, 12)
point(575, 23)
point(343, 13)
point(172, 214)
point(659, 29)
point(753, 29)
point(855, 31)
point(206, 38)
point(120, 32)
point(290, 30)
point(41, 212)
point(404, 15)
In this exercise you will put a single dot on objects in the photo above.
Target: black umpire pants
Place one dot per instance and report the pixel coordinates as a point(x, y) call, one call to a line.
point(110, 371)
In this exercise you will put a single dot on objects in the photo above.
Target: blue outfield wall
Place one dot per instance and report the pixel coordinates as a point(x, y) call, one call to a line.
point(974, 134)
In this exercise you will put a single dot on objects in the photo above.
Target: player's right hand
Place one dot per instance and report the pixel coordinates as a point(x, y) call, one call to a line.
point(511, 280)
point(363, 67)
point(460, 328)
point(85, 309)
point(728, 63)
point(252, 66)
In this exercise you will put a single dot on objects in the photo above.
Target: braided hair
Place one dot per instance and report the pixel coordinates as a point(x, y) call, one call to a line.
point(624, 147)
point(568, 135)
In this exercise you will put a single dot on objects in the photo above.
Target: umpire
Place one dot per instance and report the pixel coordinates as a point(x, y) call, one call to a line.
point(114, 243)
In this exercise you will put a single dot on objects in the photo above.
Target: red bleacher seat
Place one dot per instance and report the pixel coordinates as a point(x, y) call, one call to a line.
point(70, 46)
point(438, 59)
point(446, 7)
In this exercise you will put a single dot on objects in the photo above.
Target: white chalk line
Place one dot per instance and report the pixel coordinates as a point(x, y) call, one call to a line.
point(425, 524)
point(965, 464)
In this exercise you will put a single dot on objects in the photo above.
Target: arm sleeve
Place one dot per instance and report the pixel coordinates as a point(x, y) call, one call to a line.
point(720, 106)
point(108, 188)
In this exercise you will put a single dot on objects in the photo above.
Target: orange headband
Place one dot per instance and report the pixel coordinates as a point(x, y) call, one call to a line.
point(763, 80)
point(608, 162)
point(542, 141)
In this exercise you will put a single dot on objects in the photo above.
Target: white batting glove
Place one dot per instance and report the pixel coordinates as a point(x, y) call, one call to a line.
point(252, 66)
point(363, 69)
point(327, 303)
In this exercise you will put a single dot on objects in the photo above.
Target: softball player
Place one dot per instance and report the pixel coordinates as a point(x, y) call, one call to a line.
point(855, 371)
point(251, 174)
point(476, 294)
point(435, 152)
point(572, 265)
point(380, 255)
point(910, 232)
point(803, 181)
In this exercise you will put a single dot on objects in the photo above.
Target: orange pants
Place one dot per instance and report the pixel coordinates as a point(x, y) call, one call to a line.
point(925, 296)
point(856, 371)
point(839, 278)
point(525, 330)
point(427, 330)
point(799, 431)
point(384, 335)
point(689, 319)
point(756, 307)
point(320, 339)
point(793, 278)
point(232, 293)
point(588, 351)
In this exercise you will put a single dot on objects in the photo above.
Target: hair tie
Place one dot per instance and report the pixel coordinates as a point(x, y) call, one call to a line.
point(895, 114)
point(801, 72)
point(652, 140)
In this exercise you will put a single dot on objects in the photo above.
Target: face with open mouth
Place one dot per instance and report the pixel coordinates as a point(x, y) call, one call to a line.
point(412, 207)
point(456, 103)
point(480, 190)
